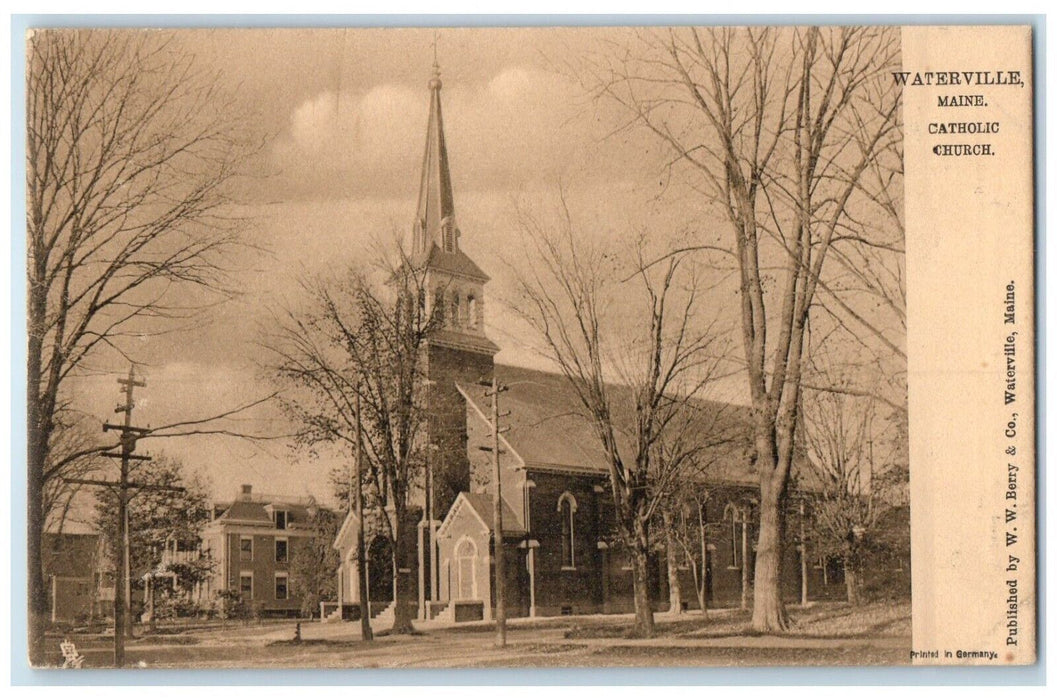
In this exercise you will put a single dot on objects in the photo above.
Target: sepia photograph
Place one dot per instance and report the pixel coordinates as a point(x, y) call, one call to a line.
point(453, 347)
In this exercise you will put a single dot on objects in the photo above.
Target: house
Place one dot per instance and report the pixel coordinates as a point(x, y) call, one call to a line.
point(252, 541)
point(74, 565)
point(558, 527)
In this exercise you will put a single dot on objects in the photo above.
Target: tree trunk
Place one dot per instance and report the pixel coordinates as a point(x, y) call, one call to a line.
point(675, 594)
point(38, 600)
point(36, 458)
point(746, 574)
point(768, 614)
point(702, 584)
point(402, 589)
point(851, 582)
point(641, 580)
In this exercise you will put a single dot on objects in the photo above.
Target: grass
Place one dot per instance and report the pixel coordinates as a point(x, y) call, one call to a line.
point(819, 621)
point(824, 633)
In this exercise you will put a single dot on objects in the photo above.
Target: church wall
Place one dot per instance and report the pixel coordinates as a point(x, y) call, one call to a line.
point(447, 423)
point(559, 588)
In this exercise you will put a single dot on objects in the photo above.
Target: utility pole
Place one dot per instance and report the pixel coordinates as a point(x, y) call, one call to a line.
point(129, 435)
point(497, 513)
point(803, 554)
point(122, 587)
point(427, 536)
point(745, 580)
point(126, 574)
point(704, 557)
point(361, 554)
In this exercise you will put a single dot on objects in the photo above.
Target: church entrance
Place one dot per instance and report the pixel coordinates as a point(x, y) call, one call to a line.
point(465, 574)
point(380, 570)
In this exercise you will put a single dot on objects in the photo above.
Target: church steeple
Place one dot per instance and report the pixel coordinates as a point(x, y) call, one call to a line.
point(454, 282)
point(457, 350)
point(435, 222)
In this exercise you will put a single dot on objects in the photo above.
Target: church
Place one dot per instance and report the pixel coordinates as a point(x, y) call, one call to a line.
point(562, 555)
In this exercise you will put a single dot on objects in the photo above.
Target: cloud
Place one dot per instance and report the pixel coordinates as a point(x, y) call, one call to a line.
point(520, 127)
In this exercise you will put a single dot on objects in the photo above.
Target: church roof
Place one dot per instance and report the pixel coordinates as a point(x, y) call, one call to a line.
point(454, 263)
point(481, 506)
point(549, 429)
point(482, 503)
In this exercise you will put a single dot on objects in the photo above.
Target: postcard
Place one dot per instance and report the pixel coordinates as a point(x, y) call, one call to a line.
point(566, 347)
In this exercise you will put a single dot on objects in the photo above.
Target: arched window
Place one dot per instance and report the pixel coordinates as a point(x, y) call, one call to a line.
point(438, 305)
point(465, 570)
point(456, 313)
point(567, 512)
point(471, 311)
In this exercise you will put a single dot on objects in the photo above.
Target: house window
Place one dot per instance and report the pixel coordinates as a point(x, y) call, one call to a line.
point(466, 570)
point(282, 588)
point(567, 511)
point(246, 548)
point(281, 517)
point(246, 585)
point(281, 550)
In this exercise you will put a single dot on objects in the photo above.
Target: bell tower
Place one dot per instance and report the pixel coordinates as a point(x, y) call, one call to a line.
point(458, 350)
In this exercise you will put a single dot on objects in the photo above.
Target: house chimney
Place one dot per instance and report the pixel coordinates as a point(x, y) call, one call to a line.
point(247, 490)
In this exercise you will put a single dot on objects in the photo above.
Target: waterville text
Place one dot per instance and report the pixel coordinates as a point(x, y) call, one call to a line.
point(956, 78)
point(954, 99)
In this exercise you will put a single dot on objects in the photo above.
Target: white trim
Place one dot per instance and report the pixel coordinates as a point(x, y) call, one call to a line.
point(275, 585)
point(488, 423)
point(243, 538)
point(344, 528)
point(453, 513)
point(275, 550)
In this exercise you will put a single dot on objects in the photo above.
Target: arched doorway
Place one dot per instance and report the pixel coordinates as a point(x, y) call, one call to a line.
point(464, 576)
point(380, 570)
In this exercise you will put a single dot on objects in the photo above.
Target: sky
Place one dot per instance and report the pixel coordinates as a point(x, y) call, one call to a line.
point(341, 118)
point(342, 115)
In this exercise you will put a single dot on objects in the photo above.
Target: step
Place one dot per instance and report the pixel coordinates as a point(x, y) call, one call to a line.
point(436, 609)
point(378, 610)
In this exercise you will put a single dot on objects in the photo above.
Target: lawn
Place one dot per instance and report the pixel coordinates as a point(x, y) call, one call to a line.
point(823, 634)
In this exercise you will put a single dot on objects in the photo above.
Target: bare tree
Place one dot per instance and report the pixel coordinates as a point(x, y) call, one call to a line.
point(858, 465)
point(776, 128)
point(74, 445)
point(359, 339)
point(131, 153)
point(838, 431)
point(686, 531)
point(637, 390)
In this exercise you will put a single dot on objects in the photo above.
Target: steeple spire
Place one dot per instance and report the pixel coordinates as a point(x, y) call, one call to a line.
point(435, 221)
